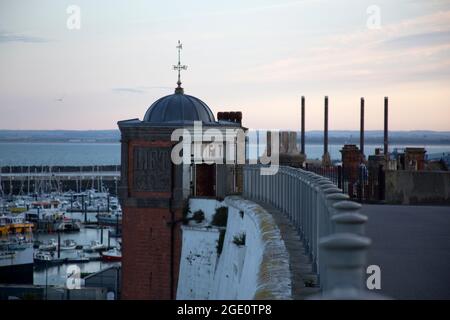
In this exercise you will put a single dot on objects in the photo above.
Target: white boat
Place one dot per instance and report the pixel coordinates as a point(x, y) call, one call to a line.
point(47, 258)
point(96, 246)
point(69, 225)
point(19, 243)
point(49, 245)
point(68, 245)
point(110, 218)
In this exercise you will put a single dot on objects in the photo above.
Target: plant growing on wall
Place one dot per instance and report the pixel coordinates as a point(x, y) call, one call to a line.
point(186, 212)
point(198, 216)
point(239, 239)
point(220, 217)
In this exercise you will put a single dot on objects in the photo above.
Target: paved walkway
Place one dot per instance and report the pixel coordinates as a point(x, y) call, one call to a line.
point(411, 244)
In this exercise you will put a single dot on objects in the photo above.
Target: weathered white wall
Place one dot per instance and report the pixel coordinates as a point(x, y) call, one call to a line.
point(198, 263)
point(198, 253)
point(237, 269)
point(260, 269)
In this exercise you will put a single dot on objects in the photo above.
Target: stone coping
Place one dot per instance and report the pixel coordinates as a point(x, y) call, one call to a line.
point(274, 276)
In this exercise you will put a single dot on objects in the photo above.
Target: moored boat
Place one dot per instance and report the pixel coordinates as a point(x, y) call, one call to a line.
point(68, 245)
point(111, 218)
point(47, 258)
point(112, 255)
point(68, 225)
point(19, 243)
point(95, 246)
point(49, 245)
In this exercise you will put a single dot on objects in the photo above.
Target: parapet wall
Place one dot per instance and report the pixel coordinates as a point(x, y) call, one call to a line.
point(257, 270)
point(418, 187)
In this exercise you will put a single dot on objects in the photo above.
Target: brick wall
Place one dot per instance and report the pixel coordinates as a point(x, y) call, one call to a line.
point(146, 250)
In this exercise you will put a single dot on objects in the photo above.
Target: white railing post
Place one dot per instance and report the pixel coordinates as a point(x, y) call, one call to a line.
point(319, 219)
point(348, 219)
point(346, 255)
point(331, 199)
point(331, 195)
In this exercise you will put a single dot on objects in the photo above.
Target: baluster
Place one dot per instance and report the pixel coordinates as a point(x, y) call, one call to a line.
point(347, 217)
point(346, 256)
point(332, 196)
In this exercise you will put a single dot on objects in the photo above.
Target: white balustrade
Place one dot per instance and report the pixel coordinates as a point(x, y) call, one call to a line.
point(330, 226)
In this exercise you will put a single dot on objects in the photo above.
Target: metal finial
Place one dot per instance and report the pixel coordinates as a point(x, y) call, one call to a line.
point(179, 67)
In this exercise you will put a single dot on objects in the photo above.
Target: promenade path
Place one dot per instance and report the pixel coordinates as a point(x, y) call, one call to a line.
point(411, 244)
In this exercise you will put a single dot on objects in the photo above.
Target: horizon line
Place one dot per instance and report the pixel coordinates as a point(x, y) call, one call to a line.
point(250, 129)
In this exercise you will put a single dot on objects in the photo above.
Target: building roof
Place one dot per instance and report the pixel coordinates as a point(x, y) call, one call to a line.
point(179, 108)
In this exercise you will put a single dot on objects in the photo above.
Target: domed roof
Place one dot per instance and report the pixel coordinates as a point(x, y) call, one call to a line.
point(179, 108)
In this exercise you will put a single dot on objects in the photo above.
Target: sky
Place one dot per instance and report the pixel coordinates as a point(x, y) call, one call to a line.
point(258, 57)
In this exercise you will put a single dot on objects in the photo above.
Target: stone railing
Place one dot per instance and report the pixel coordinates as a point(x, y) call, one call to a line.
point(330, 226)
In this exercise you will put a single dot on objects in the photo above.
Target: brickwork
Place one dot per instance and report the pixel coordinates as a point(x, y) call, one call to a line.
point(149, 264)
point(146, 251)
point(351, 160)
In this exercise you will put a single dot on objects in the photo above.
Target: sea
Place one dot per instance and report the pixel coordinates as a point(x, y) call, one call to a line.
point(87, 154)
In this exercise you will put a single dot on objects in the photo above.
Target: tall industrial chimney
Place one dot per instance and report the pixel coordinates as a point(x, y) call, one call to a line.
point(325, 133)
point(386, 127)
point(303, 151)
point(326, 159)
point(361, 136)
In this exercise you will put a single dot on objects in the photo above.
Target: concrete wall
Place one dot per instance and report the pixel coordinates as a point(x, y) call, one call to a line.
point(108, 278)
point(257, 270)
point(418, 187)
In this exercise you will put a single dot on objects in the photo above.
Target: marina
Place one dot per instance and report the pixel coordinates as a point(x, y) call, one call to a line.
point(42, 235)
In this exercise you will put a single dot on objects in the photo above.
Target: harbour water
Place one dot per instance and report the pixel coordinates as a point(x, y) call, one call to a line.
point(57, 275)
point(91, 154)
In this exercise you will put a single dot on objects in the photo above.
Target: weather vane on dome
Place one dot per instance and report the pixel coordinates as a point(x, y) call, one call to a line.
point(179, 67)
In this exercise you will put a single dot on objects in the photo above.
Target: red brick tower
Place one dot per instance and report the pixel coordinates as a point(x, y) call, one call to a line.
point(153, 190)
point(151, 206)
